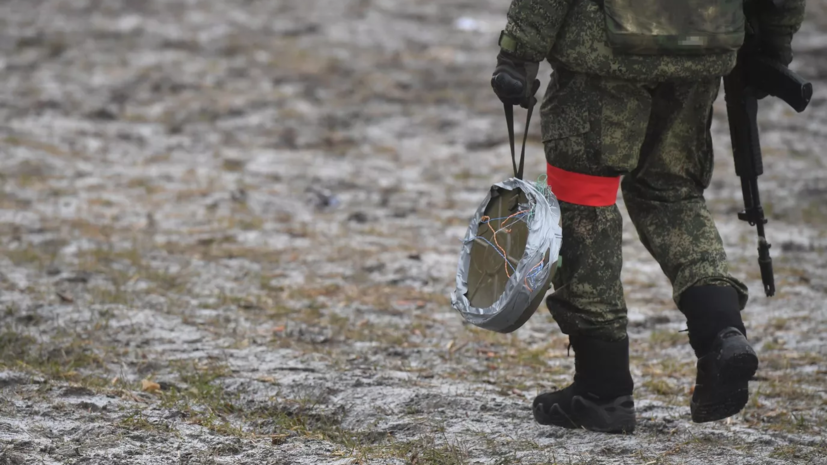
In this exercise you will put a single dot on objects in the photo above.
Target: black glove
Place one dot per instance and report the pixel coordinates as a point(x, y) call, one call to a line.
point(511, 78)
point(777, 47)
point(773, 47)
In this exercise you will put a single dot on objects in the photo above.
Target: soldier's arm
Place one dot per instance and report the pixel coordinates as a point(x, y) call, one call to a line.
point(777, 22)
point(532, 27)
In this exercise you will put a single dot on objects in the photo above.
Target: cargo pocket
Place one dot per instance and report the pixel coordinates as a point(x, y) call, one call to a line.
point(565, 122)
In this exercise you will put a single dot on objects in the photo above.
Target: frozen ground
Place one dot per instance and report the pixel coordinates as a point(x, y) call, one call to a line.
point(229, 228)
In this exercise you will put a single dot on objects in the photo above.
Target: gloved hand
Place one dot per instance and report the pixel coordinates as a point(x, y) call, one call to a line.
point(777, 47)
point(511, 80)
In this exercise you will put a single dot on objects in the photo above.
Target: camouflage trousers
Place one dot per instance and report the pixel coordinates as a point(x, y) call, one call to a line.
point(656, 136)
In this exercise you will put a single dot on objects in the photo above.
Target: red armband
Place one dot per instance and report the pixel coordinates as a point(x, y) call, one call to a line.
point(583, 189)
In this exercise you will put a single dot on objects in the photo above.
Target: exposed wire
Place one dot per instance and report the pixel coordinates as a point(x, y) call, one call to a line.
point(503, 227)
point(525, 216)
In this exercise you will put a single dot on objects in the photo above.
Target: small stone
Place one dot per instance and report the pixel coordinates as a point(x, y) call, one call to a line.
point(167, 386)
point(358, 217)
point(76, 391)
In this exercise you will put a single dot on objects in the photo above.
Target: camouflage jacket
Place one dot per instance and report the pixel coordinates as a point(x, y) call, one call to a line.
point(572, 34)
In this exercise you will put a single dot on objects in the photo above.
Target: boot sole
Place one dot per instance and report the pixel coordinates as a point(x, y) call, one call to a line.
point(616, 417)
point(733, 389)
point(740, 367)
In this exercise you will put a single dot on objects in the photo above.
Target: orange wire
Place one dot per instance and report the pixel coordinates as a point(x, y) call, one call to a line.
point(494, 235)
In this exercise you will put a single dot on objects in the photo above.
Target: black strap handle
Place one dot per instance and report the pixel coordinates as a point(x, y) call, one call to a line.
point(509, 121)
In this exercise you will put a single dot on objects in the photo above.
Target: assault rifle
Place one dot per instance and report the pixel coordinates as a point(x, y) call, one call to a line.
point(752, 78)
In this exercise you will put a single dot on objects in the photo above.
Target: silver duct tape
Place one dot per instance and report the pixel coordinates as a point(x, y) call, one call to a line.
point(518, 300)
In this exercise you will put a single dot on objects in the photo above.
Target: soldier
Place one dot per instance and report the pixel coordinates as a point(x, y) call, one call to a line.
point(631, 96)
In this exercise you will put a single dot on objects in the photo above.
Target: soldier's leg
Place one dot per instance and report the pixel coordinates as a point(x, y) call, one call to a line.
point(664, 196)
point(588, 294)
point(593, 129)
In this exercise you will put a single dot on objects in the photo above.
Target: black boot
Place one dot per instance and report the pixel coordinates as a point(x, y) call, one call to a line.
point(600, 399)
point(726, 361)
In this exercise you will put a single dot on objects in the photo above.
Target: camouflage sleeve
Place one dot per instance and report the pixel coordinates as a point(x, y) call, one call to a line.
point(533, 24)
point(780, 19)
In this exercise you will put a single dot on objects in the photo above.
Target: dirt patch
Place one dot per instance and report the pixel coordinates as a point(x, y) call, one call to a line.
point(229, 229)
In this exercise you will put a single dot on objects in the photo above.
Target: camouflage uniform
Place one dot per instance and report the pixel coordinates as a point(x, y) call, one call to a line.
point(643, 117)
